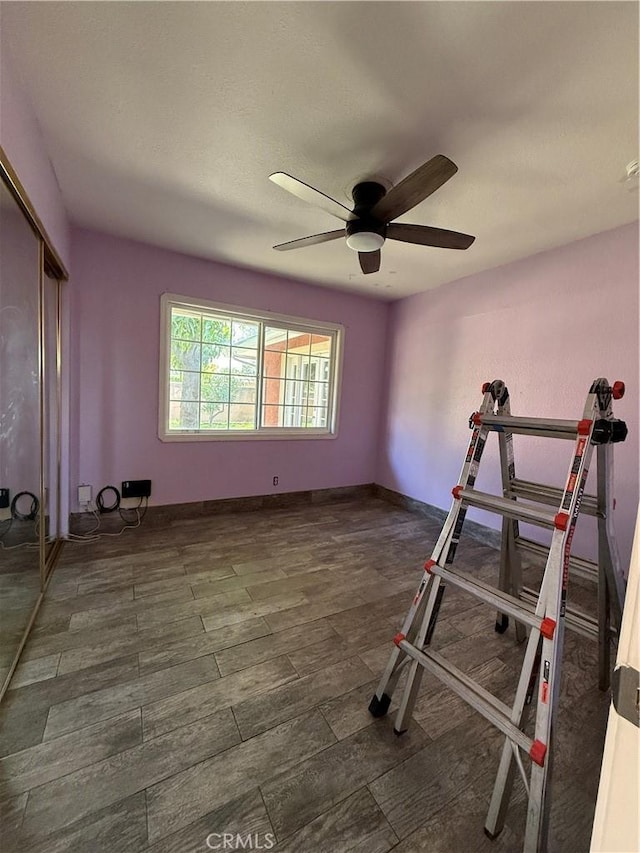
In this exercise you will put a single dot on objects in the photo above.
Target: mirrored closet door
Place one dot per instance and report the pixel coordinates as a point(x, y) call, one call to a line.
point(29, 418)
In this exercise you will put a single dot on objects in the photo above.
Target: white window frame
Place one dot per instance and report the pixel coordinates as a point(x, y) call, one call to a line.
point(170, 300)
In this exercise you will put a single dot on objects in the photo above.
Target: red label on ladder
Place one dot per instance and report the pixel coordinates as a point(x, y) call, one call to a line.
point(544, 685)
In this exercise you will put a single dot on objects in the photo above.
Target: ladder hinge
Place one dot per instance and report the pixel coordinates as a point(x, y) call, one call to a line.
point(625, 691)
point(561, 521)
point(537, 752)
point(609, 431)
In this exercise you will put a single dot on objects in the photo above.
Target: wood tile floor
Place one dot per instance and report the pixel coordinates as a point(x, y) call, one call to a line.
point(213, 676)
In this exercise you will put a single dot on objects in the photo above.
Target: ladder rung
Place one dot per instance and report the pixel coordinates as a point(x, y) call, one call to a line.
point(575, 619)
point(484, 702)
point(520, 610)
point(580, 567)
point(550, 495)
point(550, 428)
point(505, 506)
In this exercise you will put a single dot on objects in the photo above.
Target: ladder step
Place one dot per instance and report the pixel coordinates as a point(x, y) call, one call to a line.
point(550, 495)
point(484, 702)
point(550, 428)
point(521, 611)
point(505, 506)
point(580, 567)
point(575, 619)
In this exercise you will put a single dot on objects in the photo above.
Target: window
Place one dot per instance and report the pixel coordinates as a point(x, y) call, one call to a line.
point(228, 372)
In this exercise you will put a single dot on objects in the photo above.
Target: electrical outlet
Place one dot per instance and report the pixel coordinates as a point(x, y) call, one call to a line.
point(85, 494)
point(136, 488)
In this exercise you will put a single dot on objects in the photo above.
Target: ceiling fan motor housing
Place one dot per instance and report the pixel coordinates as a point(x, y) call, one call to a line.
point(365, 195)
point(366, 234)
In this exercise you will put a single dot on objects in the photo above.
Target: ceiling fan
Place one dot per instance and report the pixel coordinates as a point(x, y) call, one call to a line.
point(370, 221)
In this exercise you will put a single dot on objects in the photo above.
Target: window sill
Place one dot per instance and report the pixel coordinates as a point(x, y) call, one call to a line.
point(262, 435)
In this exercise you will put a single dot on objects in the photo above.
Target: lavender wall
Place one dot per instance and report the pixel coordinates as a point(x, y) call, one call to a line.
point(547, 326)
point(21, 139)
point(115, 317)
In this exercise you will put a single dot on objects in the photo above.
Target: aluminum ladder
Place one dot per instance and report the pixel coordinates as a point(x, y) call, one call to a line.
point(543, 613)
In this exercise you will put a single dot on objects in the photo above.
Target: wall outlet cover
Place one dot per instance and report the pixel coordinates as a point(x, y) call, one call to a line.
point(85, 493)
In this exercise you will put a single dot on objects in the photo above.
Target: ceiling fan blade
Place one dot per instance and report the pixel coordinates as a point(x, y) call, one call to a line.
point(310, 241)
point(369, 261)
point(425, 235)
point(312, 196)
point(414, 188)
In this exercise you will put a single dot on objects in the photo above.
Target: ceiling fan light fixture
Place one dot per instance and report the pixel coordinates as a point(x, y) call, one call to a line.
point(365, 241)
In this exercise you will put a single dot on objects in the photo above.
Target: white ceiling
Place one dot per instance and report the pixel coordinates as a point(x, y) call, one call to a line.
point(164, 120)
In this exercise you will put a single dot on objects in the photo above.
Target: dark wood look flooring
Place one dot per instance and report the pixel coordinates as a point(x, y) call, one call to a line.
point(213, 676)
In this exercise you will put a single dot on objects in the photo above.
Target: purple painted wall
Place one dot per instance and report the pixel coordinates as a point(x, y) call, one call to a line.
point(547, 326)
point(21, 139)
point(115, 317)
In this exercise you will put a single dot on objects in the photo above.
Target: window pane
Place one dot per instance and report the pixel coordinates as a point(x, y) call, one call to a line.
point(317, 393)
point(275, 338)
point(317, 416)
point(244, 361)
point(297, 366)
point(185, 325)
point(214, 416)
point(245, 334)
point(184, 385)
point(298, 342)
point(295, 393)
point(242, 416)
point(214, 387)
point(183, 415)
point(215, 359)
point(293, 416)
point(216, 330)
point(273, 363)
point(273, 391)
point(242, 390)
point(323, 368)
point(272, 416)
point(321, 345)
point(185, 355)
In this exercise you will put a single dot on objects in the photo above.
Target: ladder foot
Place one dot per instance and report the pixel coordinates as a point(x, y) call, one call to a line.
point(501, 624)
point(397, 733)
point(492, 835)
point(379, 707)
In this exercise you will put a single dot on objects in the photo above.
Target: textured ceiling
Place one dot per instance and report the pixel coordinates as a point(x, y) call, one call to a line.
point(164, 120)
